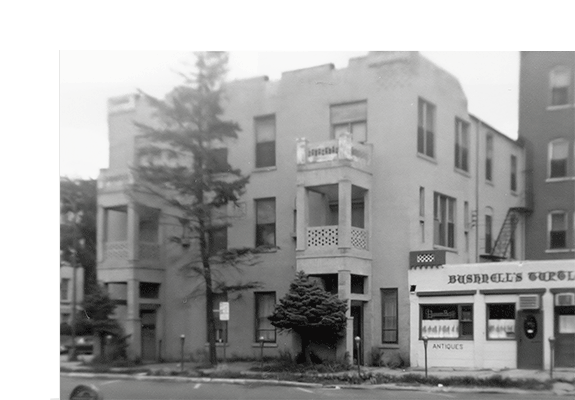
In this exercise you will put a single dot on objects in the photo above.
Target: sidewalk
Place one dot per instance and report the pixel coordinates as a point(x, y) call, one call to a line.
point(564, 377)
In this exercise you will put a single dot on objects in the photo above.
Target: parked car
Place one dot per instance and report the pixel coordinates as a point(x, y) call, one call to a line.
point(84, 345)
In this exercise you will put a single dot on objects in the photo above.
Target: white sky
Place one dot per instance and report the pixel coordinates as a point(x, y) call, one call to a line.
point(88, 78)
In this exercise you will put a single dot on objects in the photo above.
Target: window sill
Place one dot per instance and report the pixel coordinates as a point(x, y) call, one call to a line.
point(450, 249)
point(550, 251)
point(560, 107)
point(427, 158)
point(489, 182)
point(265, 169)
point(561, 179)
point(514, 193)
point(266, 345)
point(462, 172)
point(501, 339)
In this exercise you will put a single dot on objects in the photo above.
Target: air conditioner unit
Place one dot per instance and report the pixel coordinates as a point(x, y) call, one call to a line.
point(565, 299)
point(529, 302)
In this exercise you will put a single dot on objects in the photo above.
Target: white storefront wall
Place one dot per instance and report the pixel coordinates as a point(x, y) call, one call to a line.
point(480, 285)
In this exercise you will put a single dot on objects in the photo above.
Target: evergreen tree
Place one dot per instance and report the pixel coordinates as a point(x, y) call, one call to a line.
point(311, 312)
point(180, 161)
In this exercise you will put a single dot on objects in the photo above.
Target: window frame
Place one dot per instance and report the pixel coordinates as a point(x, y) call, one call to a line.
point(393, 292)
point(488, 315)
point(513, 173)
point(257, 319)
point(425, 109)
point(350, 121)
point(461, 159)
point(450, 212)
point(550, 231)
point(258, 226)
point(488, 246)
point(264, 146)
point(489, 150)
point(459, 318)
point(556, 73)
point(550, 159)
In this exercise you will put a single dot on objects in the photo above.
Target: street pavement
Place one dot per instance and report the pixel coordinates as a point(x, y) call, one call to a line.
point(118, 389)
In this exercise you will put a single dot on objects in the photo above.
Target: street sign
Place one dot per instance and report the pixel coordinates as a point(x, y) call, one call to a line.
point(224, 311)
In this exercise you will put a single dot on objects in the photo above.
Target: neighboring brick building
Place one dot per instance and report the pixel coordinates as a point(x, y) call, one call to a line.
point(351, 170)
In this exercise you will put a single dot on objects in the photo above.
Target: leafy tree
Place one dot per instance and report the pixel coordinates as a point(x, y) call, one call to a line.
point(180, 161)
point(311, 312)
point(78, 208)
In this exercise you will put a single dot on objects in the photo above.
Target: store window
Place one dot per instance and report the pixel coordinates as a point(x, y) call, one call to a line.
point(461, 145)
point(557, 226)
point(444, 220)
point(560, 80)
point(389, 315)
point(349, 118)
point(265, 304)
point(446, 321)
point(426, 128)
point(266, 222)
point(265, 128)
point(558, 154)
point(501, 321)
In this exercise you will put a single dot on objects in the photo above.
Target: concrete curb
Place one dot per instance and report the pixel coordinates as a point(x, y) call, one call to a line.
point(385, 386)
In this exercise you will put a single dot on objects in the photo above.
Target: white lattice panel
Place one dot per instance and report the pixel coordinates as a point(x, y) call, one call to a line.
point(322, 152)
point(359, 238)
point(149, 251)
point(321, 236)
point(117, 250)
point(425, 258)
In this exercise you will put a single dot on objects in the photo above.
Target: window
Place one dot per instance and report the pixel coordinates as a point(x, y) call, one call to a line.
point(265, 128)
point(64, 287)
point(266, 222)
point(461, 145)
point(444, 220)
point(221, 331)
point(149, 290)
point(389, 315)
point(513, 173)
point(466, 223)
point(446, 321)
point(488, 233)
point(218, 239)
point(219, 160)
point(489, 157)
point(560, 80)
point(557, 230)
point(265, 304)
point(425, 128)
point(558, 153)
point(350, 118)
point(422, 213)
point(501, 321)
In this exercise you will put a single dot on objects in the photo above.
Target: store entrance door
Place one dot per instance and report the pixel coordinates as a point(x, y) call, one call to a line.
point(148, 319)
point(357, 314)
point(529, 339)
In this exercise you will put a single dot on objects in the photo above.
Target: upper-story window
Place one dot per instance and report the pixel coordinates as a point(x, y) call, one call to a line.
point(426, 128)
point(513, 183)
point(559, 82)
point(557, 228)
point(219, 160)
point(352, 118)
point(558, 154)
point(266, 222)
point(461, 145)
point(489, 157)
point(444, 220)
point(488, 230)
point(265, 128)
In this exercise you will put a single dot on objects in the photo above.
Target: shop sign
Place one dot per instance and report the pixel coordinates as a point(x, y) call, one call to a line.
point(447, 346)
point(512, 277)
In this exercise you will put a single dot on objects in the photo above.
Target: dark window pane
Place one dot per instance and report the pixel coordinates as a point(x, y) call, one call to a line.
point(559, 96)
point(429, 144)
point(559, 168)
point(265, 154)
point(266, 235)
point(149, 290)
point(558, 239)
point(219, 160)
point(218, 240)
point(420, 140)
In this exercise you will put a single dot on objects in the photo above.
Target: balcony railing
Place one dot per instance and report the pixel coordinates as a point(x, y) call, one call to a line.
point(342, 148)
point(114, 180)
point(328, 236)
point(149, 251)
point(119, 251)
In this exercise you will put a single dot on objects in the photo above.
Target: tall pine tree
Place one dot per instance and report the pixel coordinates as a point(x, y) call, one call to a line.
point(311, 312)
point(184, 165)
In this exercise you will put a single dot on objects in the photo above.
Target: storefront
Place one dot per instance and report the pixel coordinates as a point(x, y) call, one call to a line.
point(493, 315)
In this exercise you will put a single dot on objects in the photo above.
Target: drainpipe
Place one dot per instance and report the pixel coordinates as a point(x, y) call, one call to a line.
point(477, 191)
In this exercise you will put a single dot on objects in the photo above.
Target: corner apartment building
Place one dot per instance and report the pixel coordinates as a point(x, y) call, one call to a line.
point(353, 171)
point(547, 128)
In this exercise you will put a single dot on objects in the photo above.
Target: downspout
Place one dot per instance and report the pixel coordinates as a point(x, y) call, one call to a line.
point(477, 191)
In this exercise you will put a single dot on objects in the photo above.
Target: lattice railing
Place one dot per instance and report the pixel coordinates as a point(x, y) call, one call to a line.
point(321, 152)
point(149, 251)
point(359, 238)
point(322, 236)
point(116, 250)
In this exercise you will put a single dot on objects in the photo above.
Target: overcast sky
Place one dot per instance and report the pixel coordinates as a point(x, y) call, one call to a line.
point(88, 78)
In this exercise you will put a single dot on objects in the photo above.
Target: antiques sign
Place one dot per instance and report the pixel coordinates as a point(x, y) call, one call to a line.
point(512, 277)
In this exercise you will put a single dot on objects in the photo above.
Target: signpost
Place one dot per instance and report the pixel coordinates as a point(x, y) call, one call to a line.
point(225, 316)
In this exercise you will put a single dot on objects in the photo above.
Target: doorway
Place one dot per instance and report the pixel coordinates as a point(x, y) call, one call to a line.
point(529, 339)
point(356, 312)
point(148, 321)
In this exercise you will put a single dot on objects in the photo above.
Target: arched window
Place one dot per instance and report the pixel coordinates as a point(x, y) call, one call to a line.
point(559, 82)
point(558, 154)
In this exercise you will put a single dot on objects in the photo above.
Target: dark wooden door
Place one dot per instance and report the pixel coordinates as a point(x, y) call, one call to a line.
point(529, 339)
point(148, 320)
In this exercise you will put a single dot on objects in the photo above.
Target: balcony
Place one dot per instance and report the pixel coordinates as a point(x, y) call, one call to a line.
point(328, 236)
point(110, 181)
point(338, 151)
point(120, 251)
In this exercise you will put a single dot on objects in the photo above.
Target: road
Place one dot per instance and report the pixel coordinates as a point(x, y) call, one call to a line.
point(116, 389)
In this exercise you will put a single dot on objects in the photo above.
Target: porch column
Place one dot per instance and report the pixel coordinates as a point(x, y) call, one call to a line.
point(133, 231)
point(301, 217)
point(344, 212)
point(344, 293)
point(133, 319)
